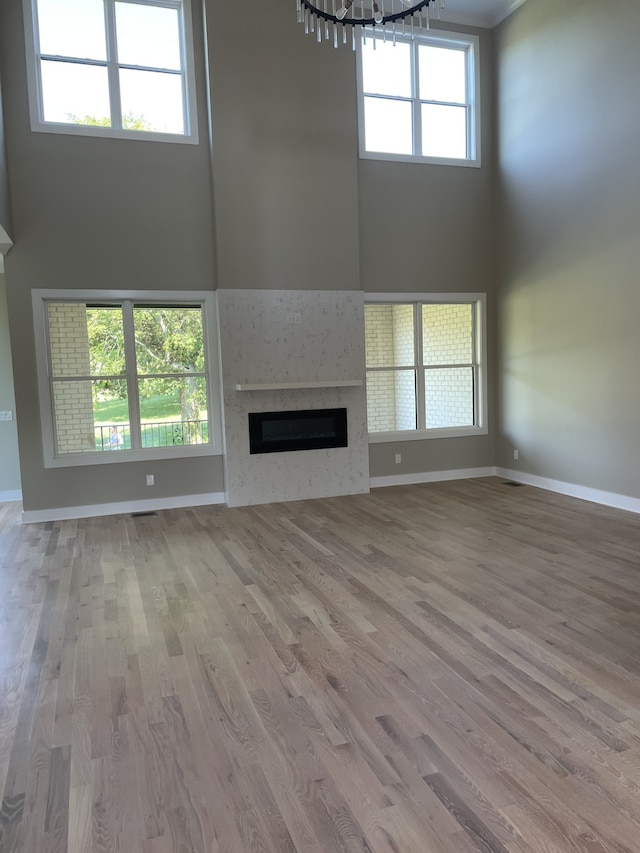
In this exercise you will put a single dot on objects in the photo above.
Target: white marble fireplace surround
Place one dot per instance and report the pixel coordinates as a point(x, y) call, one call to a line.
point(275, 337)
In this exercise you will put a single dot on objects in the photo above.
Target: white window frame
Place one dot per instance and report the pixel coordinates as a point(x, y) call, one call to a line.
point(187, 73)
point(437, 38)
point(479, 300)
point(206, 299)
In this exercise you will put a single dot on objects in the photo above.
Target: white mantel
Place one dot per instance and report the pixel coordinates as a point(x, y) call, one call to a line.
point(259, 341)
point(292, 386)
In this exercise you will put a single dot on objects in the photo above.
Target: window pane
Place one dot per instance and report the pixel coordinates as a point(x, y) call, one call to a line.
point(169, 340)
point(173, 412)
point(447, 334)
point(148, 35)
point(106, 341)
point(442, 74)
point(85, 341)
point(151, 101)
point(389, 335)
point(388, 126)
point(391, 400)
point(444, 131)
point(72, 28)
point(386, 70)
point(90, 416)
point(111, 414)
point(75, 94)
point(449, 397)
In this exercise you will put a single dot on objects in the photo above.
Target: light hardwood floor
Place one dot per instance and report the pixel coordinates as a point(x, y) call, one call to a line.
point(444, 668)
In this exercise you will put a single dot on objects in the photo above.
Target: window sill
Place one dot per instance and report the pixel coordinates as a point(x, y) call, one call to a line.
point(113, 457)
point(426, 434)
point(415, 158)
point(85, 130)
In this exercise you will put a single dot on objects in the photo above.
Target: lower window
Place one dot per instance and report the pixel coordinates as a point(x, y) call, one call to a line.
point(125, 378)
point(425, 366)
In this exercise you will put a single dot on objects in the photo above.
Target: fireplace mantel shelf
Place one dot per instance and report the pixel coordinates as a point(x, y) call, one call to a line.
point(286, 386)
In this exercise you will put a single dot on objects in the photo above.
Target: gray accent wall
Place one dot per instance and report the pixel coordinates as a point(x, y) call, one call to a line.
point(570, 193)
point(99, 213)
point(9, 463)
point(283, 113)
point(427, 228)
point(277, 199)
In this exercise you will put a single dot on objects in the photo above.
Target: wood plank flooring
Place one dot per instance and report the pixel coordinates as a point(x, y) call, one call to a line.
point(444, 668)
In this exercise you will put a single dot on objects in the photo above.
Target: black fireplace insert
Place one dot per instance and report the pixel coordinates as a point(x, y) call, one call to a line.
point(309, 429)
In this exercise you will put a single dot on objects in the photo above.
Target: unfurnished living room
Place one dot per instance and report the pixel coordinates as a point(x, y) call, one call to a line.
point(319, 426)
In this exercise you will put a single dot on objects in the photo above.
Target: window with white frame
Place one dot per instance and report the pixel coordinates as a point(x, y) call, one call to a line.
point(418, 99)
point(111, 68)
point(126, 377)
point(425, 366)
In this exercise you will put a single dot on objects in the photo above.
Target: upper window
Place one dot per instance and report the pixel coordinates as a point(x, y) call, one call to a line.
point(111, 68)
point(425, 366)
point(418, 99)
point(125, 375)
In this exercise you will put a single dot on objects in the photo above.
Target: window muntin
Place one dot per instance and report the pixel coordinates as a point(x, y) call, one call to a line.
point(419, 99)
point(424, 366)
point(120, 374)
point(112, 68)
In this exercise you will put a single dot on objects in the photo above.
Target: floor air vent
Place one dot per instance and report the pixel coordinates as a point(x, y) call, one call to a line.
point(143, 514)
point(513, 485)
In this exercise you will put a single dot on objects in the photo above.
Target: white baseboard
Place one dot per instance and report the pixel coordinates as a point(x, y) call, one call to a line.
point(121, 507)
point(597, 496)
point(431, 477)
point(15, 495)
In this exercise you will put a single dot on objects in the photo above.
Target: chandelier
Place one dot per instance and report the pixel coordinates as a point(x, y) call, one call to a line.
point(330, 19)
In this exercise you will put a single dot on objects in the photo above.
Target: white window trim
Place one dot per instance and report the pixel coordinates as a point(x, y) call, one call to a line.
point(436, 37)
point(34, 82)
point(482, 428)
point(40, 299)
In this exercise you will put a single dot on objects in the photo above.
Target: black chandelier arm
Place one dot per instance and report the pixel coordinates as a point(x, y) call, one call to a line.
point(359, 22)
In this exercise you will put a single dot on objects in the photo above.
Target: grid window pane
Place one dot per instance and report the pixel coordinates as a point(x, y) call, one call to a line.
point(173, 412)
point(151, 101)
point(442, 74)
point(388, 126)
point(168, 340)
point(447, 334)
point(74, 28)
point(389, 336)
point(75, 94)
point(90, 415)
point(449, 397)
point(105, 333)
point(386, 70)
point(148, 35)
point(391, 400)
point(444, 131)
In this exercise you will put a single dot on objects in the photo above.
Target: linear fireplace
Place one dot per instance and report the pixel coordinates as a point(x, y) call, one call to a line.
point(310, 429)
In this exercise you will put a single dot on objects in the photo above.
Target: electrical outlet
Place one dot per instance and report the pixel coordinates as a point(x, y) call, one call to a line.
point(6, 416)
point(515, 454)
point(398, 458)
point(151, 480)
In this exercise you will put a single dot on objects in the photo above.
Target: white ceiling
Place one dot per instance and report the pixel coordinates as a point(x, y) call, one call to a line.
point(478, 13)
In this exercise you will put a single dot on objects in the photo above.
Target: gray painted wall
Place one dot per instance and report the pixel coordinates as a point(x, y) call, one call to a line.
point(431, 228)
point(570, 177)
point(98, 213)
point(284, 152)
point(292, 205)
point(9, 463)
